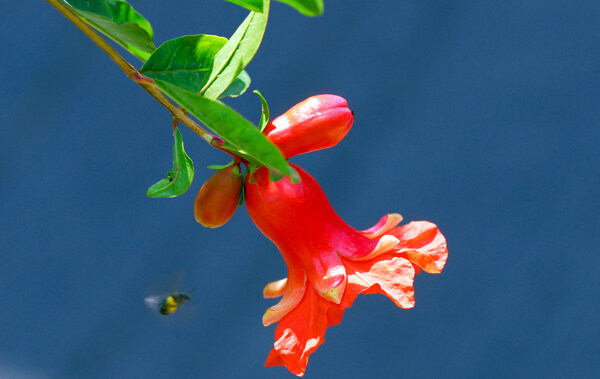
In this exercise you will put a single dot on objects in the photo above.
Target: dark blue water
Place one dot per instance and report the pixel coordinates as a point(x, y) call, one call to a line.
point(482, 117)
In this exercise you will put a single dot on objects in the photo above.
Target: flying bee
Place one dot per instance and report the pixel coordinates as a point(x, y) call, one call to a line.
point(167, 304)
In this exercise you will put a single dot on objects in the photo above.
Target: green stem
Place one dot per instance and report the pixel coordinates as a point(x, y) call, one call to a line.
point(131, 71)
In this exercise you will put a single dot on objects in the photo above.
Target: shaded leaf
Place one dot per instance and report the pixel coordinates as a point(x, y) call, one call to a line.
point(253, 5)
point(180, 178)
point(238, 87)
point(240, 135)
point(306, 7)
point(119, 21)
point(185, 62)
point(237, 53)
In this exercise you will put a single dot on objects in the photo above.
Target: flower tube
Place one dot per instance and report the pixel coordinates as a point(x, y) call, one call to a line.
point(330, 263)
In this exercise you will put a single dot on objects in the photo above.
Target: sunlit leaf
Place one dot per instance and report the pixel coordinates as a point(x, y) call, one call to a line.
point(180, 178)
point(253, 5)
point(236, 53)
point(240, 135)
point(306, 7)
point(119, 21)
point(264, 117)
point(186, 61)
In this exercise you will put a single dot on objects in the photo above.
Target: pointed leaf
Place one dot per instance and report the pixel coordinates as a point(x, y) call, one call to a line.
point(119, 21)
point(252, 5)
point(180, 178)
point(264, 117)
point(220, 166)
point(240, 134)
point(236, 53)
point(185, 62)
point(306, 7)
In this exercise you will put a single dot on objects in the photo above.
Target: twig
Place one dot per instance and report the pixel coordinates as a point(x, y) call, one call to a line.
point(131, 71)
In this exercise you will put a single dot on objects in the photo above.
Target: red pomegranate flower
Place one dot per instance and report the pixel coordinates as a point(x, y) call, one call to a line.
point(329, 263)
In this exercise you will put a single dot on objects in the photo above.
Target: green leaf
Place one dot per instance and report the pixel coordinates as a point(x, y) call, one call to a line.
point(264, 117)
point(180, 178)
point(238, 87)
point(242, 194)
point(119, 21)
point(306, 7)
point(220, 166)
point(237, 53)
point(185, 62)
point(239, 134)
point(253, 5)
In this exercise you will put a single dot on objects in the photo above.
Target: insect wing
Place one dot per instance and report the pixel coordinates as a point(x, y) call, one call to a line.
point(154, 302)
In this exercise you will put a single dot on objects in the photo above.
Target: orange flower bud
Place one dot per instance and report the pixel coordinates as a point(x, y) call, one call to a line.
point(316, 123)
point(218, 198)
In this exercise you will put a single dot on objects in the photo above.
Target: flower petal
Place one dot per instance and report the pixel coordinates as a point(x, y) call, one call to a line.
point(389, 274)
point(387, 223)
point(294, 290)
point(423, 244)
point(275, 289)
point(424, 261)
point(302, 331)
point(384, 245)
point(326, 273)
point(289, 300)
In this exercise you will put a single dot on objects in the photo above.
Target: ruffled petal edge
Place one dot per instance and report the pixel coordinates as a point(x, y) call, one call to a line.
point(302, 331)
point(389, 275)
point(423, 244)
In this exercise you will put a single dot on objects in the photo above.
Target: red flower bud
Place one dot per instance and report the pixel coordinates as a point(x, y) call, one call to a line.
point(316, 123)
point(218, 198)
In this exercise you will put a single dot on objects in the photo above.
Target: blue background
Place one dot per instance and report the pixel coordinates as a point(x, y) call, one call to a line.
point(479, 116)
